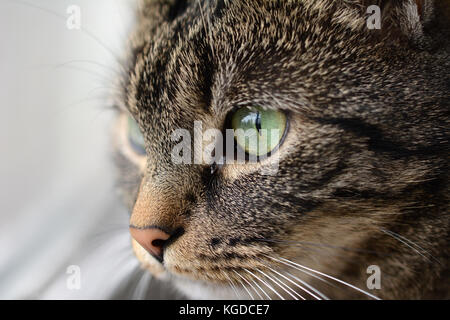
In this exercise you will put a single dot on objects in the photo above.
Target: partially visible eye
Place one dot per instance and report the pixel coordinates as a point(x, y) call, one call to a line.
point(262, 129)
point(135, 136)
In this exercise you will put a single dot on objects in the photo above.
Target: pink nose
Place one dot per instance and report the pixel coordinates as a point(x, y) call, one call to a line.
point(151, 239)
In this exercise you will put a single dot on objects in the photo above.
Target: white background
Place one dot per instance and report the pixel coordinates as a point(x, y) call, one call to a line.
point(58, 205)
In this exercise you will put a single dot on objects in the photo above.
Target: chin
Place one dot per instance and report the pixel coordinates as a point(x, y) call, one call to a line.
point(190, 288)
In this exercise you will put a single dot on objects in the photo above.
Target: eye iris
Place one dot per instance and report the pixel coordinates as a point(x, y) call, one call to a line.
point(261, 130)
point(135, 136)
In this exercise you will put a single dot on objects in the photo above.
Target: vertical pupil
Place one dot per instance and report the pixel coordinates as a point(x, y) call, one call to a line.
point(258, 122)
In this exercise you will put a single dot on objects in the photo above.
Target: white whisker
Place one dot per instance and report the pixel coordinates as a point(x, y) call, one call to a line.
point(296, 284)
point(141, 287)
point(266, 284)
point(415, 247)
point(309, 286)
point(293, 264)
point(278, 284)
point(288, 287)
point(259, 287)
point(249, 285)
point(243, 285)
point(232, 286)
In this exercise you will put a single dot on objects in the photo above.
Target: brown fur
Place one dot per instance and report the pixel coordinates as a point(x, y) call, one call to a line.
point(367, 148)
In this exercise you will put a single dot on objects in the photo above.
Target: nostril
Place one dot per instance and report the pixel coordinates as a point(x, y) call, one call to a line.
point(158, 243)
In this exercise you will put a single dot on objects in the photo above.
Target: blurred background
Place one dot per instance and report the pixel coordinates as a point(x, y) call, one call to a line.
point(60, 216)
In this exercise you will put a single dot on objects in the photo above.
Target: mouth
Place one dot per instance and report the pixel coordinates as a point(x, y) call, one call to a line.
point(197, 288)
point(149, 262)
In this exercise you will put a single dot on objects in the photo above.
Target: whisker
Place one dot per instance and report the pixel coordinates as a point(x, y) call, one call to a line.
point(249, 293)
point(309, 286)
point(321, 245)
point(294, 283)
point(276, 282)
point(103, 66)
point(316, 277)
point(96, 75)
point(232, 285)
point(265, 293)
point(410, 244)
point(86, 100)
point(296, 266)
point(249, 285)
point(141, 286)
point(266, 284)
point(84, 30)
point(288, 287)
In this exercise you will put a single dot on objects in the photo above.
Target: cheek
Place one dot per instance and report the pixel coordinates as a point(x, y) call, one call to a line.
point(194, 245)
point(212, 244)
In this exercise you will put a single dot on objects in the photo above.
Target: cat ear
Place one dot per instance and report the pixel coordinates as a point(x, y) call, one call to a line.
point(422, 9)
point(408, 18)
point(414, 15)
point(161, 10)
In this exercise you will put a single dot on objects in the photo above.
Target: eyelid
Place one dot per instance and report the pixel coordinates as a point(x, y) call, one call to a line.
point(122, 142)
point(135, 137)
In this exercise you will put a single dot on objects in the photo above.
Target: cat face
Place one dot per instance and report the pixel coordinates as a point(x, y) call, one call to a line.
point(362, 147)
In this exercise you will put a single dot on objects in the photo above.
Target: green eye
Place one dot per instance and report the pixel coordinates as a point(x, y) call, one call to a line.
point(135, 136)
point(262, 129)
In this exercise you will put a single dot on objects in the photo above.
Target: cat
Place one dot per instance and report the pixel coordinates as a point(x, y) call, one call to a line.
point(358, 206)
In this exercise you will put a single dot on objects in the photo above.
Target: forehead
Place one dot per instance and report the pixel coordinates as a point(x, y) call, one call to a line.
point(245, 52)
